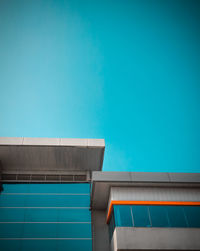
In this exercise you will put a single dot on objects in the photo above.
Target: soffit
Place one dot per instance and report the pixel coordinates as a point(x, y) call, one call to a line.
point(50, 154)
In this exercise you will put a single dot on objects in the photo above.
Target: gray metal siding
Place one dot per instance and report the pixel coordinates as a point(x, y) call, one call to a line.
point(154, 194)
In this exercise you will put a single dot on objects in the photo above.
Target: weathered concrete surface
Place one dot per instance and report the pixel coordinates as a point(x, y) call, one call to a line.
point(51, 154)
point(127, 238)
point(155, 177)
point(100, 233)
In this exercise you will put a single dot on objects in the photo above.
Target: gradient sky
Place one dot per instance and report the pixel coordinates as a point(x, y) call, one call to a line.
point(127, 71)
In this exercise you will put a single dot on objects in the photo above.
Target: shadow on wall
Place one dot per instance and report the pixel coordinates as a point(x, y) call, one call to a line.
point(1, 187)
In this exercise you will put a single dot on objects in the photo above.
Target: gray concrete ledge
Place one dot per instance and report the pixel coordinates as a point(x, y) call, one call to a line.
point(52, 142)
point(30, 155)
point(103, 181)
point(146, 177)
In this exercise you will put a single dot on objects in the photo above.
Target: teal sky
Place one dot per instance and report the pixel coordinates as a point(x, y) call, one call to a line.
point(127, 71)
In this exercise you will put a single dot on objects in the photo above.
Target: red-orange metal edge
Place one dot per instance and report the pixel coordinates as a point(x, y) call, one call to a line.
point(127, 202)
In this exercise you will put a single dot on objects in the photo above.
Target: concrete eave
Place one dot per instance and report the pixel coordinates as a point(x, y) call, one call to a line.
point(102, 183)
point(50, 154)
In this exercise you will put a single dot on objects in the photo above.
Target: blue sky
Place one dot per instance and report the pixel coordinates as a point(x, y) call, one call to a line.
point(127, 71)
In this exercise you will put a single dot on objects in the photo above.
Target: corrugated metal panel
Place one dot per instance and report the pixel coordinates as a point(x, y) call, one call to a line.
point(154, 194)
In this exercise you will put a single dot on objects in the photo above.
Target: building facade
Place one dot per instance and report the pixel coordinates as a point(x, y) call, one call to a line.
point(54, 196)
point(146, 211)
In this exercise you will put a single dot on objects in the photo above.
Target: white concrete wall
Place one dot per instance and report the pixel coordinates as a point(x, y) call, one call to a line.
point(155, 239)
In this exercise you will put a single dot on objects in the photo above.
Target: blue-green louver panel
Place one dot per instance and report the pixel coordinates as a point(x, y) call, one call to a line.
point(45, 217)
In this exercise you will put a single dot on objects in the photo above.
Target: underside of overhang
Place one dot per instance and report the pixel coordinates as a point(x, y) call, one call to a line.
point(49, 159)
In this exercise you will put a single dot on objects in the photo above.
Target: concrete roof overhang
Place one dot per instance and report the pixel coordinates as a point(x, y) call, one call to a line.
point(30, 155)
point(102, 183)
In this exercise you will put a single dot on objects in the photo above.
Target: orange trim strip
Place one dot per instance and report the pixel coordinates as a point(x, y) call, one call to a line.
point(169, 203)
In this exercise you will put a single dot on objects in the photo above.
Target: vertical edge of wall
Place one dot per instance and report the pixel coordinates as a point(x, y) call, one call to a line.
point(100, 232)
point(1, 187)
point(114, 241)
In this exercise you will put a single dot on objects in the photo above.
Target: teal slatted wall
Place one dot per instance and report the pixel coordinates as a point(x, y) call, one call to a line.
point(45, 217)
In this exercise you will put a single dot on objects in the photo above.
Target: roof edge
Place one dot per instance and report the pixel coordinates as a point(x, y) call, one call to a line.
point(27, 141)
point(149, 177)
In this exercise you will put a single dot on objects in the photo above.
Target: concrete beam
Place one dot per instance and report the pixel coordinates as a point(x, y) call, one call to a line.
point(103, 181)
point(29, 155)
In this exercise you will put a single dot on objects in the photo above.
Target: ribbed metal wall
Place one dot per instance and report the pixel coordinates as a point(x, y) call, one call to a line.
point(154, 194)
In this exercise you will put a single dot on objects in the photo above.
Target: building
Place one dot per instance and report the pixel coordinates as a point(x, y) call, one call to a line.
point(146, 211)
point(55, 197)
